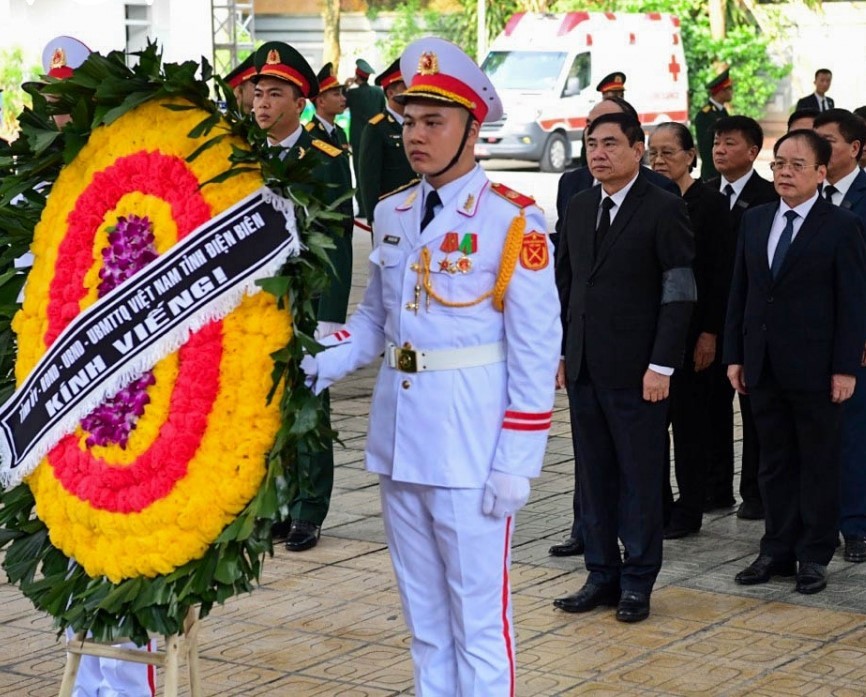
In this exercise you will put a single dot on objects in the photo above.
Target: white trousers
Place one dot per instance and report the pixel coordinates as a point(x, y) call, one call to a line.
point(108, 677)
point(452, 564)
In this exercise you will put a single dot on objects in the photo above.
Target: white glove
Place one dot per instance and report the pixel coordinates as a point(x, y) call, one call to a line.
point(325, 328)
point(311, 369)
point(504, 494)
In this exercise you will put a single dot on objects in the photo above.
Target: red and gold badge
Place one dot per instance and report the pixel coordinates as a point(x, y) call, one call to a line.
point(533, 253)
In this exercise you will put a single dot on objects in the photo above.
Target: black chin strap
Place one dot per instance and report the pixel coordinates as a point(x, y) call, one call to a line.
point(459, 150)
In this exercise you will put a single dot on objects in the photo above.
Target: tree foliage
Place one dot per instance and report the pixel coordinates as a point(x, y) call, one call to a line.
point(744, 48)
point(13, 72)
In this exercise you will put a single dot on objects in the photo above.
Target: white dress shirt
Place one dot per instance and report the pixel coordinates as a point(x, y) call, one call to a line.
point(779, 224)
point(738, 186)
point(842, 186)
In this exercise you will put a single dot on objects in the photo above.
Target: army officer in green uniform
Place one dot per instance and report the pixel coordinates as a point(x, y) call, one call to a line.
point(283, 83)
point(335, 171)
point(364, 102)
point(382, 161)
point(721, 91)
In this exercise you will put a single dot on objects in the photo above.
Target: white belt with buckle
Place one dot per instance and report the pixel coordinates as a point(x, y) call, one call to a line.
point(411, 360)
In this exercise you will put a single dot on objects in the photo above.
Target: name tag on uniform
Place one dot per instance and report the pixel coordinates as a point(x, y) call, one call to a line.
point(391, 239)
point(742, 204)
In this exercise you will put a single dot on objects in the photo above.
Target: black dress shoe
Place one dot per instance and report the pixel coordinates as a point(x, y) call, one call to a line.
point(855, 549)
point(712, 503)
point(588, 598)
point(811, 577)
point(678, 529)
point(751, 510)
point(633, 606)
point(570, 547)
point(762, 569)
point(302, 535)
point(280, 530)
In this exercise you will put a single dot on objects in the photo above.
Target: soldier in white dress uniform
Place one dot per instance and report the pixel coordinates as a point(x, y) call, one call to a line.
point(462, 301)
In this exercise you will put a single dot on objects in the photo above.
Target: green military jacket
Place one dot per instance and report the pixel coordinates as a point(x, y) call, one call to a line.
point(364, 102)
point(382, 162)
point(333, 169)
point(704, 122)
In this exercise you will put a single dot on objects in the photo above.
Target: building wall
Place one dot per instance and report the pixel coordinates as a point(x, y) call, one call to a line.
point(182, 27)
point(831, 37)
point(360, 36)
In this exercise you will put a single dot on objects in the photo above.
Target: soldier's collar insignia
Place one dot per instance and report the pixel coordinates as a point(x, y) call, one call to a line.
point(410, 199)
point(469, 203)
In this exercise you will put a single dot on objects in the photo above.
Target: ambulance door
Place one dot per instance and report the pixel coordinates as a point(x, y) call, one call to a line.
point(577, 99)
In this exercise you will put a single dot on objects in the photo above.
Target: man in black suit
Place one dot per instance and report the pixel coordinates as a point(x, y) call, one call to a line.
point(819, 99)
point(627, 290)
point(571, 183)
point(845, 186)
point(795, 329)
point(736, 144)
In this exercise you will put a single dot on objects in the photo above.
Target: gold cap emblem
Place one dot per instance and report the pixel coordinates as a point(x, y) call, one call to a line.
point(58, 60)
point(428, 64)
point(618, 79)
point(273, 57)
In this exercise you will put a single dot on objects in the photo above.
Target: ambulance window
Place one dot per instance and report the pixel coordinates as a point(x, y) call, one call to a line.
point(578, 75)
point(524, 70)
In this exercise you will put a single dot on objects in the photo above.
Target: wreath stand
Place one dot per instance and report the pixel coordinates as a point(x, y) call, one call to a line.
point(169, 659)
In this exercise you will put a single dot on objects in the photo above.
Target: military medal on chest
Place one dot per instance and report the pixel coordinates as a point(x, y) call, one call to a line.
point(452, 243)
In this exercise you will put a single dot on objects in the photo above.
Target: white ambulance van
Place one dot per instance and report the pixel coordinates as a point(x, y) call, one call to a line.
point(546, 67)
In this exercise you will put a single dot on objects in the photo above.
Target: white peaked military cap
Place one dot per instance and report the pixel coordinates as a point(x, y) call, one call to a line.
point(62, 55)
point(436, 69)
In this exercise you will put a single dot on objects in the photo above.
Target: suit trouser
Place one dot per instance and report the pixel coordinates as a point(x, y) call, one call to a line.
point(314, 476)
point(621, 440)
point(690, 417)
point(720, 436)
point(852, 501)
point(576, 525)
point(452, 564)
point(749, 486)
point(799, 474)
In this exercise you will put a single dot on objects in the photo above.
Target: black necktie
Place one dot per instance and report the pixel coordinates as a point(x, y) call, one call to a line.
point(603, 221)
point(829, 190)
point(729, 192)
point(784, 244)
point(432, 201)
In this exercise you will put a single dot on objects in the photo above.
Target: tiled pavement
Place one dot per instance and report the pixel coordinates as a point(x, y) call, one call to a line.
point(327, 621)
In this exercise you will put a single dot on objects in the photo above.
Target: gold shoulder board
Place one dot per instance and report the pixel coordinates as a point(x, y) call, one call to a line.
point(327, 148)
point(399, 189)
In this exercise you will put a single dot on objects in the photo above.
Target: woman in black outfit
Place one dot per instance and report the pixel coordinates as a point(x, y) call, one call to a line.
point(699, 389)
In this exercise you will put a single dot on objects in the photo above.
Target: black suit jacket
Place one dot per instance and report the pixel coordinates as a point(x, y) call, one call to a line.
point(855, 197)
point(810, 321)
point(715, 244)
point(628, 305)
point(756, 192)
point(811, 102)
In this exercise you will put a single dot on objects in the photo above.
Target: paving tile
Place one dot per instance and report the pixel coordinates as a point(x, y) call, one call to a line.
point(784, 619)
point(677, 675)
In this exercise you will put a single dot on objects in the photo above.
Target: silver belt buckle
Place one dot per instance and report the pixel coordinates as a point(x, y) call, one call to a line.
point(407, 360)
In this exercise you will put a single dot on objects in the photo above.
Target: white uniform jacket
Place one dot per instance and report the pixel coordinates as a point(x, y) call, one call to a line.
point(450, 427)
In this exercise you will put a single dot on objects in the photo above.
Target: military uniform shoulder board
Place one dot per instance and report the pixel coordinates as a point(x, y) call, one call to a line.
point(707, 108)
point(327, 148)
point(400, 188)
point(310, 126)
point(377, 118)
point(512, 196)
